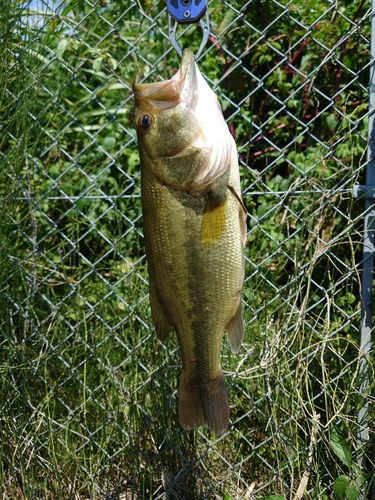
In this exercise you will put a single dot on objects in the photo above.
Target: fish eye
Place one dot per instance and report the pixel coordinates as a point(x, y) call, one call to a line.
point(145, 121)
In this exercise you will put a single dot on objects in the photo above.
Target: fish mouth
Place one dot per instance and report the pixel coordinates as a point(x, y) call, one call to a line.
point(170, 93)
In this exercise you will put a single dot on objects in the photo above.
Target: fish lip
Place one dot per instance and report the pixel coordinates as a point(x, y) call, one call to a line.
point(170, 93)
point(167, 92)
point(187, 69)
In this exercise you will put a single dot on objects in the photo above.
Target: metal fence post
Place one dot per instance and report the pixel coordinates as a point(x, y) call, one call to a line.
point(368, 259)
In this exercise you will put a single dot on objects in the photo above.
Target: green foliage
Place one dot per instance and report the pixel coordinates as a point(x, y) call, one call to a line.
point(273, 497)
point(345, 486)
point(340, 445)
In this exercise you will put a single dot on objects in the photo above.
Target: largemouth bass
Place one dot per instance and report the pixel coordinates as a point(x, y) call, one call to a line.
point(195, 228)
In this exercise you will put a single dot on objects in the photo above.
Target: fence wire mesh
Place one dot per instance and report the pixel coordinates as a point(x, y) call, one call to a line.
point(88, 394)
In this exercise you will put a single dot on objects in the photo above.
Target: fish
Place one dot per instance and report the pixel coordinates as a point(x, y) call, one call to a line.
point(194, 225)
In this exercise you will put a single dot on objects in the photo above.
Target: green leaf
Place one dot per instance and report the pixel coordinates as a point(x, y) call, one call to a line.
point(113, 63)
point(97, 63)
point(340, 446)
point(227, 497)
point(227, 19)
point(109, 142)
point(339, 487)
point(360, 477)
point(305, 60)
point(352, 491)
point(331, 121)
point(272, 497)
point(63, 43)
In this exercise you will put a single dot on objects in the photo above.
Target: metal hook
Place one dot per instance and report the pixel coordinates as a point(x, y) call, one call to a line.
point(204, 23)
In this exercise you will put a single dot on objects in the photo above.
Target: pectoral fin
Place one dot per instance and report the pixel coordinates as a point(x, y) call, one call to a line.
point(162, 325)
point(235, 330)
point(243, 225)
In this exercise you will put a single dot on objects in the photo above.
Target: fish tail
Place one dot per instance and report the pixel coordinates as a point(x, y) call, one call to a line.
point(204, 404)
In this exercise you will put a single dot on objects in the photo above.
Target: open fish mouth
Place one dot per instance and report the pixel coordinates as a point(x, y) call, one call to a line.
point(168, 94)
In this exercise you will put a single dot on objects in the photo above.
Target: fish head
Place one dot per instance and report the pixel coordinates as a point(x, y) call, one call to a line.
point(181, 130)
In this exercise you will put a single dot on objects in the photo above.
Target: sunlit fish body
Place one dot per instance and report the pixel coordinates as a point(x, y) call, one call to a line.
point(194, 228)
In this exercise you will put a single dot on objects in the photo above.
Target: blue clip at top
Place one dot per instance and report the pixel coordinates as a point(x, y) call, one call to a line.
point(187, 12)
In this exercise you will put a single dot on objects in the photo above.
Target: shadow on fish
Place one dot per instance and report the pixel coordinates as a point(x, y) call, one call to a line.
point(194, 227)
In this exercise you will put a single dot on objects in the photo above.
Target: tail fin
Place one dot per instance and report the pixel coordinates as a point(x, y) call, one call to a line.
point(205, 404)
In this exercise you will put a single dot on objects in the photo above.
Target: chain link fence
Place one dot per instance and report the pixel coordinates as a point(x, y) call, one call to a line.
point(88, 394)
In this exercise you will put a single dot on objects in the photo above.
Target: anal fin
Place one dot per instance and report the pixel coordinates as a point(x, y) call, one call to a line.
point(162, 325)
point(235, 330)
